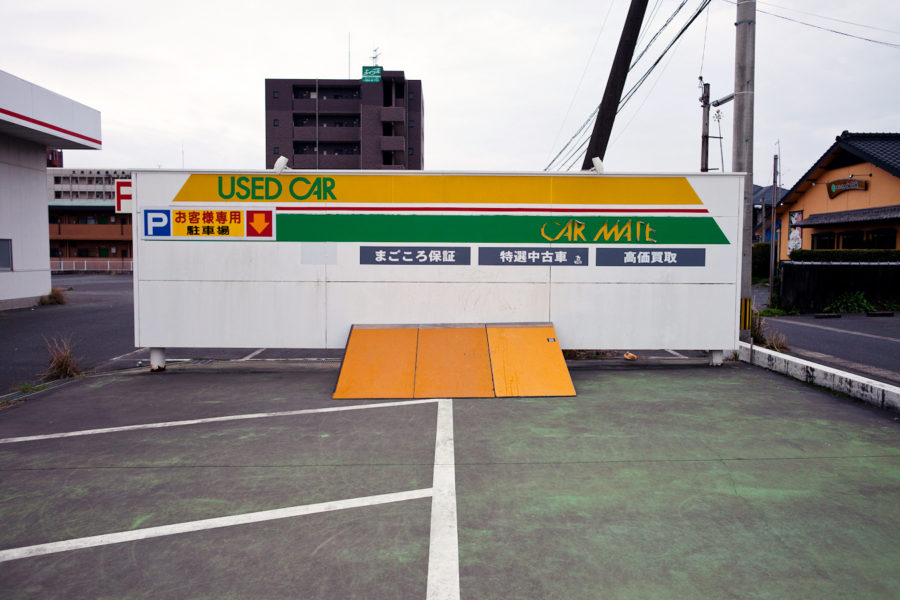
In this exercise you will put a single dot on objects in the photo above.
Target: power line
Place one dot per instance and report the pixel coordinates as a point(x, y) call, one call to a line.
point(649, 20)
point(644, 101)
point(636, 86)
point(836, 31)
point(828, 18)
point(631, 92)
point(575, 153)
point(580, 129)
point(657, 34)
point(583, 73)
point(703, 52)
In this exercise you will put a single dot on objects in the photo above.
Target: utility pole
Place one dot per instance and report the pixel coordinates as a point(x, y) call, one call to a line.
point(742, 153)
point(704, 140)
point(614, 85)
point(772, 232)
point(705, 137)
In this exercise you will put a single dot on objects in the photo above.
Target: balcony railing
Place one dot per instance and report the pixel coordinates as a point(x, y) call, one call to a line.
point(305, 134)
point(73, 231)
point(339, 134)
point(104, 265)
point(338, 106)
point(393, 143)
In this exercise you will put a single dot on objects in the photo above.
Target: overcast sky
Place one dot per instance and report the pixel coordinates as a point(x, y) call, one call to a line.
point(505, 83)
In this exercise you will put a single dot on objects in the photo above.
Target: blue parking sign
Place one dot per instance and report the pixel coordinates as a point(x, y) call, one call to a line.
point(157, 223)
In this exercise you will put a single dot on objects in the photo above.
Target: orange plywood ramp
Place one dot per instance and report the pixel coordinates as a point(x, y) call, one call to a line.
point(453, 361)
point(527, 361)
point(378, 363)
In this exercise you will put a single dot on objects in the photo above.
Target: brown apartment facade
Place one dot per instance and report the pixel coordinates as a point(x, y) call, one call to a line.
point(83, 221)
point(333, 124)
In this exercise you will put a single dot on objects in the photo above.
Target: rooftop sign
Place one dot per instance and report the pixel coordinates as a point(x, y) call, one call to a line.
point(371, 74)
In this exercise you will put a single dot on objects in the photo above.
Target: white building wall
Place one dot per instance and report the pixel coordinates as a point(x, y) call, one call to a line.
point(23, 219)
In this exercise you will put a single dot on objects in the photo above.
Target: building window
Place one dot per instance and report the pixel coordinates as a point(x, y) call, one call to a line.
point(276, 150)
point(55, 253)
point(412, 123)
point(275, 94)
point(274, 122)
point(411, 151)
point(852, 240)
point(882, 239)
point(823, 241)
point(412, 95)
point(6, 255)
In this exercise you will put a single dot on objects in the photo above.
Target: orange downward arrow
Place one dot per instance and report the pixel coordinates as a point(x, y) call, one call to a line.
point(259, 222)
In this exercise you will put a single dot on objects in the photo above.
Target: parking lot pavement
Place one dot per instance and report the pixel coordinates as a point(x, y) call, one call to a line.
point(247, 480)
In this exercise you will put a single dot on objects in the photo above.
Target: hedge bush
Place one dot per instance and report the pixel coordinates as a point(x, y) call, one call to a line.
point(845, 255)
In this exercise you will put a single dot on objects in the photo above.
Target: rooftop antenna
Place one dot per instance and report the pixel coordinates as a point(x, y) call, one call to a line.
point(375, 55)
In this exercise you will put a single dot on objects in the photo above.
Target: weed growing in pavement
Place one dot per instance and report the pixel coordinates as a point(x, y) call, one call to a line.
point(756, 328)
point(56, 296)
point(62, 360)
point(777, 342)
point(26, 388)
point(758, 331)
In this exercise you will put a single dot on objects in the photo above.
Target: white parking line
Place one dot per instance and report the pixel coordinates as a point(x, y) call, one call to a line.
point(252, 354)
point(190, 526)
point(121, 356)
point(443, 552)
point(287, 413)
point(836, 329)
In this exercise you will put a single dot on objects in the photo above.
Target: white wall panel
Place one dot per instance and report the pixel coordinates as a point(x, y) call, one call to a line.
point(645, 316)
point(417, 303)
point(231, 314)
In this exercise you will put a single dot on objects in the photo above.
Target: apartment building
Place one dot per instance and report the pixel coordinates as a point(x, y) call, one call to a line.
point(82, 215)
point(331, 124)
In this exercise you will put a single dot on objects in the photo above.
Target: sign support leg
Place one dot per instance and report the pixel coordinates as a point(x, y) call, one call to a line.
point(157, 359)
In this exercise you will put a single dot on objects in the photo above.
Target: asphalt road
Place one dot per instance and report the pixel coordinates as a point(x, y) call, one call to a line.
point(854, 342)
point(98, 319)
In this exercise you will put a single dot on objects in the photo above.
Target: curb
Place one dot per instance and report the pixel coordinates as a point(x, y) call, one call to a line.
point(870, 391)
point(620, 363)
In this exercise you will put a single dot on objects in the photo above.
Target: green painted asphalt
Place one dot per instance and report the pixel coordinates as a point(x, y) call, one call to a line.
point(709, 483)
point(728, 482)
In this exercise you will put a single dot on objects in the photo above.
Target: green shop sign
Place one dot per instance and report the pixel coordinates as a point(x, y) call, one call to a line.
point(371, 74)
point(497, 229)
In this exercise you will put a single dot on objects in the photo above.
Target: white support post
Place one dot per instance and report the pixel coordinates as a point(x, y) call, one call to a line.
point(157, 359)
point(716, 358)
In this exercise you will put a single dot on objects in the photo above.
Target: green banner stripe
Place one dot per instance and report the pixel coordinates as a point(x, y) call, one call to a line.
point(501, 229)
